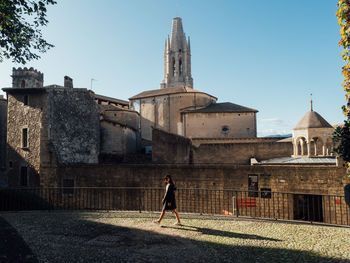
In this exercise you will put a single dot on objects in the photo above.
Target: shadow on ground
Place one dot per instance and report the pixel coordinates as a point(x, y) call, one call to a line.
point(220, 233)
point(58, 238)
point(12, 246)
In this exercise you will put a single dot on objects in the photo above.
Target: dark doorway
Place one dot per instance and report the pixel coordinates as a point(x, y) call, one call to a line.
point(308, 207)
point(24, 176)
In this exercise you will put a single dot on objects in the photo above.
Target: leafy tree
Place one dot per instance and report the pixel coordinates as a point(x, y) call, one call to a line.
point(341, 135)
point(20, 29)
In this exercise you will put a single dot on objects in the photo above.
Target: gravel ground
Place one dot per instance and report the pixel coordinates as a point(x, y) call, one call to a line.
point(132, 237)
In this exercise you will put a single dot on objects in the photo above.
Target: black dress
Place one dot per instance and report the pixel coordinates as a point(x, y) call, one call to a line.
point(169, 197)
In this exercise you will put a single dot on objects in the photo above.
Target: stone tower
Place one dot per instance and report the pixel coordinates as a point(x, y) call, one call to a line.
point(177, 58)
point(27, 78)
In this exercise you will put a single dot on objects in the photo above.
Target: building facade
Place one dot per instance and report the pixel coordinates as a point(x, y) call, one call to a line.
point(179, 109)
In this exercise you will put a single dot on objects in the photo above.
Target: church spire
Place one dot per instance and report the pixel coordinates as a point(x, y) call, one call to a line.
point(177, 58)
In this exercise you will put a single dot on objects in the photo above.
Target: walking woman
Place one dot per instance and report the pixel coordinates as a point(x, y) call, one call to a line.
point(169, 202)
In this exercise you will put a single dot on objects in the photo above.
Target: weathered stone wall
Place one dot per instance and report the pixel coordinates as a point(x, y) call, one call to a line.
point(74, 128)
point(240, 153)
point(228, 181)
point(297, 179)
point(165, 149)
point(170, 148)
point(210, 125)
point(127, 117)
point(3, 125)
point(117, 139)
point(24, 116)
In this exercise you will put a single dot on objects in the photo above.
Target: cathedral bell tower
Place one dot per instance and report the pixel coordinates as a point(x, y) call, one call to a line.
point(177, 58)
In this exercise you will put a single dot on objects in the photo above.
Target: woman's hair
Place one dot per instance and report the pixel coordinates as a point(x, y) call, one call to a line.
point(170, 179)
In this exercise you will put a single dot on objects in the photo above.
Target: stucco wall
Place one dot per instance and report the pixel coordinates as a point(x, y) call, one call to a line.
point(210, 125)
point(163, 111)
point(74, 125)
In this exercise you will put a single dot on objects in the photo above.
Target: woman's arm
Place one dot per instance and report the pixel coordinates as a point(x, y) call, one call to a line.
point(167, 195)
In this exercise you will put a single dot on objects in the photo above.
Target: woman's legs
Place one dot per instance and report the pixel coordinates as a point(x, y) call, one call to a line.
point(161, 216)
point(177, 216)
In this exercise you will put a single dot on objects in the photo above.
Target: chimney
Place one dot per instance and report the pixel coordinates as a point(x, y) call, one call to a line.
point(68, 82)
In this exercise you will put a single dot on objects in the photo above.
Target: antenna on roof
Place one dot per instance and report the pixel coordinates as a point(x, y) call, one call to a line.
point(311, 102)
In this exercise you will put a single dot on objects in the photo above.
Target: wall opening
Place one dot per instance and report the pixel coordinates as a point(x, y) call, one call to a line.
point(24, 137)
point(253, 185)
point(24, 176)
point(307, 207)
point(25, 100)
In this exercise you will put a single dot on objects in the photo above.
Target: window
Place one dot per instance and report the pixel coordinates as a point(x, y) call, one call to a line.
point(225, 129)
point(24, 176)
point(174, 67)
point(253, 185)
point(10, 164)
point(265, 192)
point(23, 84)
point(25, 100)
point(25, 138)
point(68, 186)
point(180, 67)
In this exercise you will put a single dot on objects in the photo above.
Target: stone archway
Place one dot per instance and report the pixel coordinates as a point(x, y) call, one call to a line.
point(301, 146)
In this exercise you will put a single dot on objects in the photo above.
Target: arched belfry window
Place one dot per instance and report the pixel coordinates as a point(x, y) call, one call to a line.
point(23, 84)
point(174, 67)
point(180, 67)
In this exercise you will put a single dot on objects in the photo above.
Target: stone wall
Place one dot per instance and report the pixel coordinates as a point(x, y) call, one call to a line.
point(297, 179)
point(211, 188)
point(74, 127)
point(126, 117)
point(170, 148)
point(117, 139)
point(3, 125)
point(21, 117)
point(240, 153)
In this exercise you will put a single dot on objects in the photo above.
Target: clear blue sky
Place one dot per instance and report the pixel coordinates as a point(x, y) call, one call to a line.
point(268, 55)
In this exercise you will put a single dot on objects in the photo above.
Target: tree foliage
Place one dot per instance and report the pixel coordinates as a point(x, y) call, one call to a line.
point(20, 29)
point(341, 138)
point(341, 135)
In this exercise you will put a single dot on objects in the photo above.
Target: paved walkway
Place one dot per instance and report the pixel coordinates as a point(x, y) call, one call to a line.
point(12, 246)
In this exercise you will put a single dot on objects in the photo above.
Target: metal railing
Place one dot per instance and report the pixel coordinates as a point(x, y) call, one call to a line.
point(330, 209)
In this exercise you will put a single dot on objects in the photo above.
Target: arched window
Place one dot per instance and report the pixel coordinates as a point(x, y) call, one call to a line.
point(180, 67)
point(23, 84)
point(174, 67)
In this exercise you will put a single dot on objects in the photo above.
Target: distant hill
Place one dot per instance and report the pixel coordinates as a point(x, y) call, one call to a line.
point(279, 135)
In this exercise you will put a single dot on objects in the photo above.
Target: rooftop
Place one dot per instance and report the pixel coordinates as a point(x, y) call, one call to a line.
point(312, 120)
point(300, 161)
point(221, 107)
point(167, 91)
